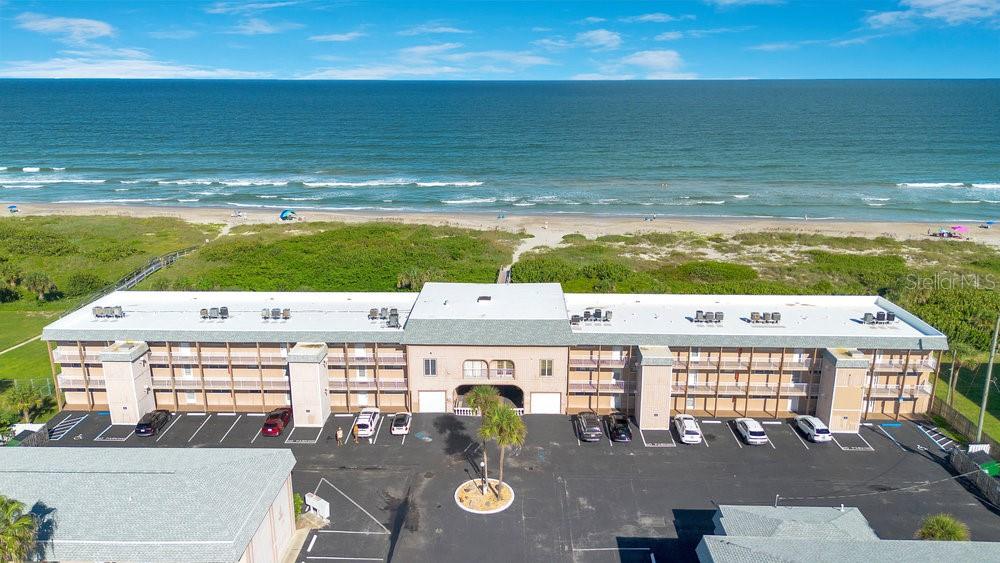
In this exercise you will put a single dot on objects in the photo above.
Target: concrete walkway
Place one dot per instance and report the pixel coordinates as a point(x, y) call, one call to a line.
point(16, 346)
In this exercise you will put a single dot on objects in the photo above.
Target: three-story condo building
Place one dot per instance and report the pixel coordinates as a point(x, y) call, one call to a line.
point(842, 358)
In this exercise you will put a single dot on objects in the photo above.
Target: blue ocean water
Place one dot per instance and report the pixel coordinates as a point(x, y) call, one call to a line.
point(889, 150)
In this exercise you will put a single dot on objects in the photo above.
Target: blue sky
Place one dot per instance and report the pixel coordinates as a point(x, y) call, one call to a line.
point(425, 40)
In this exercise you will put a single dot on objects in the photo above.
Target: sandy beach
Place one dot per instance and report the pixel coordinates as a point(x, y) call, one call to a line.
point(545, 230)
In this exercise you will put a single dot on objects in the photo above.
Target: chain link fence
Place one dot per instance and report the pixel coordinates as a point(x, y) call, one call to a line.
point(989, 487)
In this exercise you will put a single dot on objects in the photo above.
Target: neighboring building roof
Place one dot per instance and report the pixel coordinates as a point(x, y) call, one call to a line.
point(817, 522)
point(767, 534)
point(503, 314)
point(175, 316)
point(145, 504)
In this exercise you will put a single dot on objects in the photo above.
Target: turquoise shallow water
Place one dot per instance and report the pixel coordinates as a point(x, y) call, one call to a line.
point(859, 150)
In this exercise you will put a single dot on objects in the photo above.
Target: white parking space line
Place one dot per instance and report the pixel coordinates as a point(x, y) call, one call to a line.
point(256, 435)
point(235, 422)
point(171, 425)
point(351, 532)
point(101, 435)
point(404, 440)
point(255, 414)
point(66, 426)
point(378, 429)
point(771, 443)
point(343, 415)
point(836, 442)
point(704, 440)
point(771, 422)
point(711, 422)
point(735, 437)
point(866, 442)
point(207, 418)
point(311, 543)
point(890, 437)
point(796, 432)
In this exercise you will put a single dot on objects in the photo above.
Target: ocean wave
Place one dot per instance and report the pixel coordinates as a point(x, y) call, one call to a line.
point(961, 201)
point(122, 189)
point(185, 182)
point(188, 200)
point(264, 206)
point(468, 201)
point(709, 202)
point(930, 185)
point(126, 200)
point(244, 183)
point(741, 196)
point(268, 197)
point(301, 198)
point(470, 184)
point(876, 198)
point(987, 186)
point(59, 168)
point(30, 169)
point(524, 204)
point(22, 186)
point(607, 201)
point(3, 168)
point(361, 184)
point(211, 193)
point(871, 204)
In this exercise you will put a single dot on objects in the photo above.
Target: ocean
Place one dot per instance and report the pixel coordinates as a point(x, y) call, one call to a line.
point(884, 150)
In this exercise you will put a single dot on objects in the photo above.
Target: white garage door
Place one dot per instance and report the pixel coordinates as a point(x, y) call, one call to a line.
point(545, 403)
point(431, 401)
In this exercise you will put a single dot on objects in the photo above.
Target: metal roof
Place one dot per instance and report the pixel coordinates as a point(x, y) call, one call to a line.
point(145, 504)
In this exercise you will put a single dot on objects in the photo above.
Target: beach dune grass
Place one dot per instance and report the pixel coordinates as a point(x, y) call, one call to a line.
point(340, 257)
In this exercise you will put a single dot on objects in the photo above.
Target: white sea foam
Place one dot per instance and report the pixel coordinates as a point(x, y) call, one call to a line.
point(741, 196)
point(987, 186)
point(243, 183)
point(447, 184)
point(872, 204)
point(300, 198)
point(876, 198)
point(468, 201)
point(3, 168)
point(185, 182)
point(362, 184)
point(710, 202)
point(268, 197)
point(188, 200)
point(211, 193)
point(930, 185)
point(386, 201)
point(121, 189)
point(57, 168)
point(135, 200)
point(524, 204)
point(30, 169)
point(961, 201)
point(607, 201)
point(23, 186)
point(157, 180)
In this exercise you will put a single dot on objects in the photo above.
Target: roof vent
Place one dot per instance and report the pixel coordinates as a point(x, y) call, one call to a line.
point(483, 298)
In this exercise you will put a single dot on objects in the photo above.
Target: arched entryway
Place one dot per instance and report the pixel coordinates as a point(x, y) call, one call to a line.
point(512, 394)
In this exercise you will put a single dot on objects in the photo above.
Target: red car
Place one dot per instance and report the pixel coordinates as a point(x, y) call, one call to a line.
point(276, 421)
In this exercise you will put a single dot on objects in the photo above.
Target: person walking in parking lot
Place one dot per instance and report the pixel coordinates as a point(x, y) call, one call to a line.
point(340, 436)
point(355, 432)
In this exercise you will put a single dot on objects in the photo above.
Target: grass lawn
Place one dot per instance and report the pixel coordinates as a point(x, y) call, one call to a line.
point(969, 395)
point(29, 363)
point(19, 326)
point(339, 257)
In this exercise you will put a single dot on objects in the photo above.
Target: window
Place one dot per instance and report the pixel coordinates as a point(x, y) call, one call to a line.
point(430, 367)
point(474, 369)
point(545, 368)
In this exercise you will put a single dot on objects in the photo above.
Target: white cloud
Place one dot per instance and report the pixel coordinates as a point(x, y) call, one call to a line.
point(338, 37)
point(601, 76)
point(517, 58)
point(246, 7)
point(656, 17)
point(777, 46)
point(81, 67)
point(380, 72)
point(698, 33)
point(727, 3)
point(431, 28)
point(74, 31)
point(259, 26)
point(591, 19)
point(539, 29)
point(552, 44)
point(424, 52)
point(950, 12)
point(669, 36)
point(599, 39)
point(173, 33)
point(659, 64)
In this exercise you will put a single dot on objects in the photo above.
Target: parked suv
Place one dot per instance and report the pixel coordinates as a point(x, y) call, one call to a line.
point(401, 423)
point(751, 430)
point(618, 428)
point(367, 422)
point(588, 427)
point(687, 429)
point(152, 422)
point(813, 428)
point(276, 421)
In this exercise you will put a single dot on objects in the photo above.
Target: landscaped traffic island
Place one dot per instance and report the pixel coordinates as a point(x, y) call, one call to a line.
point(469, 496)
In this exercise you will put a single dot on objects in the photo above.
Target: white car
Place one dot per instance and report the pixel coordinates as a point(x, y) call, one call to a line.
point(687, 429)
point(401, 423)
point(813, 428)
point(367, 422)
point(751, 431)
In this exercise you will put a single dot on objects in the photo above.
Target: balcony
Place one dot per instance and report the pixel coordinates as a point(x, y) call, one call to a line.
point(61, 356)
point(597, 362)
point(740, 389)
point(890, 391)
point(71, 382)
point(607, 386)
point(897, 364)
point(501, 373)
point(340, 384)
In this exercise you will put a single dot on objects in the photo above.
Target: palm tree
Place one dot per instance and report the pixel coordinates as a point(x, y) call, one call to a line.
point(24, 399)
point(507, 430)
point(39, 284)
point(483, 398)
point(943, 527)
point(18, 530)
point(10, 274)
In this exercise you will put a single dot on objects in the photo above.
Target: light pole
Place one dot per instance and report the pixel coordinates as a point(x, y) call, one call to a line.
point(482, 471)
point(986, 385)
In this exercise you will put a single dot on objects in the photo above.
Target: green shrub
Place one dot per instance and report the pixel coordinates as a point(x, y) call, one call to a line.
point(83, 283)
point(536, 269)
point(8, 295)
point(112, 250)
point(20, 239)
point(607, 270)
point(573, 238)
point(300, 503)
point(942, 527)
point(709, 271)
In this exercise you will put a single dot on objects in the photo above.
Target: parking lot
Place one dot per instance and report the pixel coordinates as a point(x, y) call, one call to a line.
point(651, 499)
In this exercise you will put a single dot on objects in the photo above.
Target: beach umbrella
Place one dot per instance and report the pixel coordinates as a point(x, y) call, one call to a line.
point(11, 207)
point(959, 228)
point(286, 214)
point(991, 222)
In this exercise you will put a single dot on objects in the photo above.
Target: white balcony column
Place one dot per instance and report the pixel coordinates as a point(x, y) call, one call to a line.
point(309, 381)
point(128, 380)
point(654, 375)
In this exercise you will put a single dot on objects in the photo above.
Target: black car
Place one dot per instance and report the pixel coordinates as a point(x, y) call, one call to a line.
point(588, 427)
point(618, 428)
point(151, 422)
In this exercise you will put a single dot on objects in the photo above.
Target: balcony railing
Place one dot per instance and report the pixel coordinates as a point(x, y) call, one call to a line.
point(758, 364)
point(502, 373)
point(466, 411)
point(892, 391)
point(607, 386)
point(73, 357)
point(897, 364)
point(736, 389)
point(595, 362)
point(341, 384)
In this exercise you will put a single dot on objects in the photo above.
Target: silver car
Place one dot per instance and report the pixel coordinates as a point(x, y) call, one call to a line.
point(751, 431)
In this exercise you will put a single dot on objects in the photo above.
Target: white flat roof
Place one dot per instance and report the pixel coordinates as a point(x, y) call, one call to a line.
point(801, 315)
point(470, 301)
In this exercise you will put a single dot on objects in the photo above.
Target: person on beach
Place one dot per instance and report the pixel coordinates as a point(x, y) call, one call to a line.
point(340, 436)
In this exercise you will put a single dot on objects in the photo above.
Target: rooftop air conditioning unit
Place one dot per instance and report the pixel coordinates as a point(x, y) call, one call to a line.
point(224, 312)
